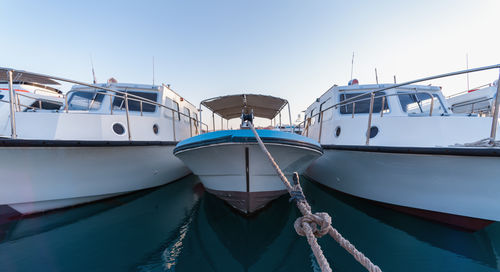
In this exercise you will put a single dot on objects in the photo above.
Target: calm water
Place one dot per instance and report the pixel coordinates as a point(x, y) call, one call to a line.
point(179, 228)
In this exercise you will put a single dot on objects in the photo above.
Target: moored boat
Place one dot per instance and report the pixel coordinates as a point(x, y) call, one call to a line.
point(231, 165)
point(105, 140)
point(401, 146)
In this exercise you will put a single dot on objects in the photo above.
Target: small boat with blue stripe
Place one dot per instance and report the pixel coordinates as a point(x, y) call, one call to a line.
point(230, 163)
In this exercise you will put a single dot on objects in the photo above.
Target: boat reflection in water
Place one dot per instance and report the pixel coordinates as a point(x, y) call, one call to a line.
point(176, 228)
point(221, 240)
point(114, 238)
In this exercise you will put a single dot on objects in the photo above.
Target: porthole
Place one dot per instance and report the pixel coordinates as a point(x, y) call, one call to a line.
point(156, 128)
point(118, 128)
point(373, 132)
point(337, 132)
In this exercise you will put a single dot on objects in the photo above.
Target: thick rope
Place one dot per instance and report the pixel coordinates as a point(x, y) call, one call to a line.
point(314, 225)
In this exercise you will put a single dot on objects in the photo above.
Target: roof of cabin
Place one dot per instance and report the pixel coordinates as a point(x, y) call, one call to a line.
point(231, 106)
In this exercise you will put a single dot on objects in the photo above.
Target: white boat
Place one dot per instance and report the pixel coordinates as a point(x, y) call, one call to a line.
point(106, 140)
point(411, 152)
point(478, 100)
point(231, 165)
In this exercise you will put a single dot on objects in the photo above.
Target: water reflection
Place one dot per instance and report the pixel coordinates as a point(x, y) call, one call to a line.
point(178, 228)
point(112, 238)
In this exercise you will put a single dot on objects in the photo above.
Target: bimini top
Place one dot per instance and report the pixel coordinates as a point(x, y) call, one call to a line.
point(231, 106)
point(19, 76)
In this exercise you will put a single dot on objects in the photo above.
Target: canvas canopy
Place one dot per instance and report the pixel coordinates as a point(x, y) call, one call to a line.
point(22, 77)
point(231, 106)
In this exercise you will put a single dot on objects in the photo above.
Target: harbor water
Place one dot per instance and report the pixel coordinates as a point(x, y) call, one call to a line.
point(179, 227)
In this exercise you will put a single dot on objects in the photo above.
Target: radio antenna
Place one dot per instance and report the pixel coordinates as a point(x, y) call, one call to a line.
point(376, 76)
point(153, 70)
point(352, 64)
point(93, 72)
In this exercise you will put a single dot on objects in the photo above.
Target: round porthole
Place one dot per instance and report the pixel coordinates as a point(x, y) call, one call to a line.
point(337, 132)
point(373, 132)
point(156, 128)
point(118, 128)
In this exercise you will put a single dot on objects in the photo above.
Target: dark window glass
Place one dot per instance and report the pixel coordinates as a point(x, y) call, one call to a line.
point(46, 105)
point(85, 101)
point(1, 96)
point(134, 104)
point(362, 103)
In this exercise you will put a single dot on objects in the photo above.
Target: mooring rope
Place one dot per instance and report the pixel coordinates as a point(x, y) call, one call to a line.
point(308, 224)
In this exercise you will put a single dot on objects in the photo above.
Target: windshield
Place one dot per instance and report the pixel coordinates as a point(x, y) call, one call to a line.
point(419, 103)
point(85, 100)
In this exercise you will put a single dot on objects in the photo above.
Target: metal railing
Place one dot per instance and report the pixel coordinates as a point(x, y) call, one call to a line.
point(307, 123)
point(15, 105)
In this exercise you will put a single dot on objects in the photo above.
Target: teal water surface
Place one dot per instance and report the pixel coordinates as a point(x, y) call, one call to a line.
point(178, 227)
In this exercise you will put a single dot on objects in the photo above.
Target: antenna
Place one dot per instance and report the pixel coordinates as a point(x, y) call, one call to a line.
point(153, 70)
point(467, 64)
point(376, 75)
point(394, 79)
point(93, 73)
point(352, 63)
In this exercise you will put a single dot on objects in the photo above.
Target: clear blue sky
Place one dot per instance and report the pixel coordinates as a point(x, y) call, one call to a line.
point(294, 49)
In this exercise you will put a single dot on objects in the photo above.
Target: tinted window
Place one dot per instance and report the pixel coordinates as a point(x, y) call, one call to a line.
point(362, 103)
point(85, 101)
point(46, 105)
point(134, 103)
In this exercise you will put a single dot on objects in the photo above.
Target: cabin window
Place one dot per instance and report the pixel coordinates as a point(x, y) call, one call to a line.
point(416, 103)
point(134, 103)
point(176, 108)
point(187, 112)
point(85, 100)
point(312, 117)
point(45, 105)
point(362, 104)
point(1, 96)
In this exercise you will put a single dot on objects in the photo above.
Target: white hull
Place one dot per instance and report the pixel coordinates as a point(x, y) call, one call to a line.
point(36, 179)
point(222, 170)
point(451, 184)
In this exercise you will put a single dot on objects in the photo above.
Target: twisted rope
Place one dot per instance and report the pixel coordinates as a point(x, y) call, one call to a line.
point(315, 225)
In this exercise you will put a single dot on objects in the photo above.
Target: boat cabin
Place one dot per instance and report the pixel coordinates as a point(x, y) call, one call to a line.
point(354, 100)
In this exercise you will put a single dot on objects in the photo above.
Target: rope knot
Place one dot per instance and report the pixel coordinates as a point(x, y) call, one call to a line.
point(319, 223)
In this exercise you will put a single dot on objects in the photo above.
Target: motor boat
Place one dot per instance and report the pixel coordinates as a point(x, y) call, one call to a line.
point(400, 145)
point(103, 140)
point(478, 100)
point(230, 163)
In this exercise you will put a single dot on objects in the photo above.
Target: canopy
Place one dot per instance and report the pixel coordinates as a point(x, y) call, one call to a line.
point(21, 77)
point(231, 106)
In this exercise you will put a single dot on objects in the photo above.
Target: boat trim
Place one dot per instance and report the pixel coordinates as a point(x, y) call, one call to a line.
point(227, 140)
point(239, 140)
point(448, 151)
point(66, 143)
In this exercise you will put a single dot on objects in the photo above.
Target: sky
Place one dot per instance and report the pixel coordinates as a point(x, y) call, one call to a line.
point(293, 49)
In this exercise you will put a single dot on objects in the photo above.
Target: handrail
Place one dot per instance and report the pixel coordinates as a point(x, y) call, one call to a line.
point(98, 90)
point(355, 99)
point(469, 90)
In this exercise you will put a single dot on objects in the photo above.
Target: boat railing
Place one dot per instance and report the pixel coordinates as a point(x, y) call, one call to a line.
point(307, 123)
point(469, 90)
point(15, 105)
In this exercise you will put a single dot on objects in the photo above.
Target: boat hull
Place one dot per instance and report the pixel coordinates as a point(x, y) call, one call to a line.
point(458, 187)
point(46, 176)
point(242, 175)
